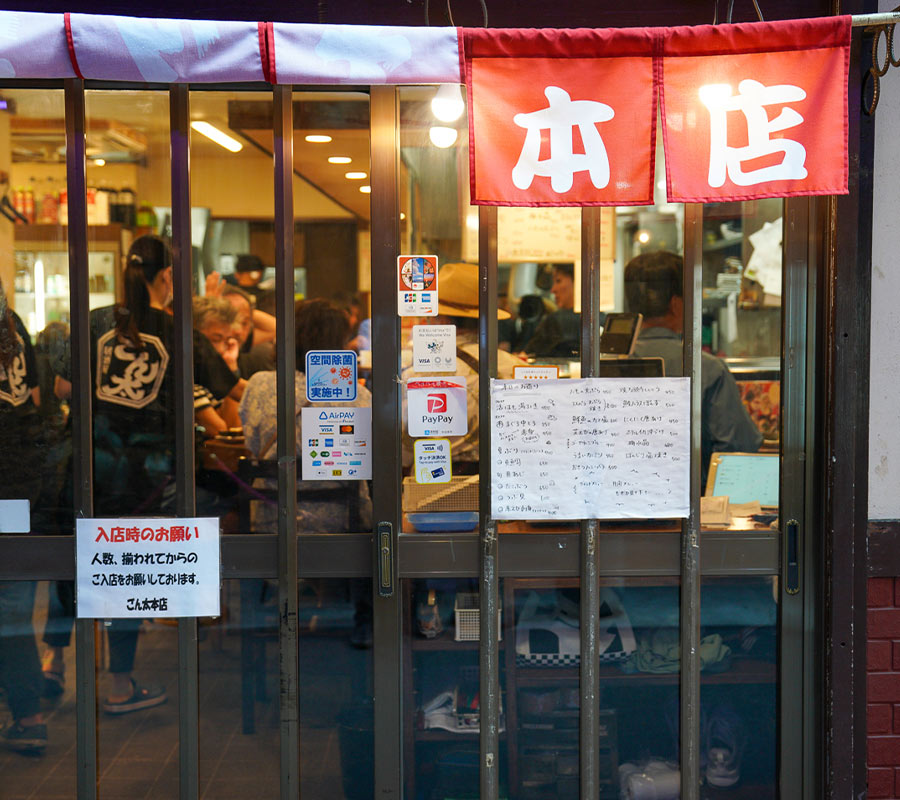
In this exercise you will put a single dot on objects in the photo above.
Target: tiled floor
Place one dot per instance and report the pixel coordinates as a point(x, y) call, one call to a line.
point(139, 752)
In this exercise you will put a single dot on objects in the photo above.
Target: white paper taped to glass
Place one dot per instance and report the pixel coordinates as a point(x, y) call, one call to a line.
point(604, 448)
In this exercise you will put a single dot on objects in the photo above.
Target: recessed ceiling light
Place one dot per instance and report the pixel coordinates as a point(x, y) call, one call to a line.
point(355, 176)
point(219, 137)
point(99, 162)
point(339, 159)
point(318, 138)
point(366, 189)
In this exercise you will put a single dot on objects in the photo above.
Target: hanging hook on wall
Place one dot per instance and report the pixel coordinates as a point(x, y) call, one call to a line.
point(484, 13)
point(878, 70)
point(730, 12)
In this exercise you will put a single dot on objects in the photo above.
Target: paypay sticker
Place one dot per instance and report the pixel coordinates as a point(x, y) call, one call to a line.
point(432, 460)
point(437, 406)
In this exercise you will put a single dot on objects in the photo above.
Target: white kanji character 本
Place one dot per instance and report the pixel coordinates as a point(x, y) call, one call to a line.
point(751, 99)
point(561, 117)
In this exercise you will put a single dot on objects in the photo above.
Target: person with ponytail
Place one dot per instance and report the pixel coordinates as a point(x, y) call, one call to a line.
point(134, 424)
point(20, 479)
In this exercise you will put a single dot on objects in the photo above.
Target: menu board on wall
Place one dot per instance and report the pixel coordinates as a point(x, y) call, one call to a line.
point(604, 448)
point(551, 235)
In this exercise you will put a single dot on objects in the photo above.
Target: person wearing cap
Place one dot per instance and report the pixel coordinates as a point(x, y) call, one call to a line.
point(458, 305)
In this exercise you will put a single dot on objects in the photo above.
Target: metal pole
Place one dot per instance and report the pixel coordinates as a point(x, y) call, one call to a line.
point(183, 365)
point(286, 359)
point(864, 20)
point(590, 562)
point(384, 111)
point(489, 600)
point(690, 534)
point(82, 434)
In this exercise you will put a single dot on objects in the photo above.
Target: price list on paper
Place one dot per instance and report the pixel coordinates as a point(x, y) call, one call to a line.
point(605, 448)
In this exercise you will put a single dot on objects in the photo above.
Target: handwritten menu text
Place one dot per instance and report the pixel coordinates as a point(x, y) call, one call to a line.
point(604, 448)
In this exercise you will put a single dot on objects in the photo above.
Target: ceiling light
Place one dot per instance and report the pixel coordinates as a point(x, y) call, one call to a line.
point(219, 137)
point(442, 137)
point(447, 105)
point(402, 215)
point(643, 237)
point(339, 159)
point(366, 189)
point(318, 138)
point(99, 162)
point(355, 176)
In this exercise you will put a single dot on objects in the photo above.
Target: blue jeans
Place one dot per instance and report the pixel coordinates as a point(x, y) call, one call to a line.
point(20, 668)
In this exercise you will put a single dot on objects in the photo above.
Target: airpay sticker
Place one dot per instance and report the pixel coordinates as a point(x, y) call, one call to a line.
point(338, 443)
point(437, 406)
point(434, 348)
point(432, 460)
point(417, 286)
point(330, 376)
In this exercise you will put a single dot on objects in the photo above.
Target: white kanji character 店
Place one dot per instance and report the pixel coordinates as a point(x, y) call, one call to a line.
point(752, 98)
point(561, 117)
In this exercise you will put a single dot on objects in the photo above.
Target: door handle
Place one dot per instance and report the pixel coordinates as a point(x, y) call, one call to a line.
point(384, 543)
point(792, 576)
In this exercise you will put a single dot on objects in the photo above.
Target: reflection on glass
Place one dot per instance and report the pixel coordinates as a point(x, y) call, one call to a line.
point(436, 219)
point(639, 673)
point(133, 407)
point(232, 233)
point(35, 439)
point(441, 705)
point(742, 309)
point(240, 706)
point(737, 701)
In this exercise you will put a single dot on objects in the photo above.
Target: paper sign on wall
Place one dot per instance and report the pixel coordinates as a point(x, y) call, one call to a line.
point(330, 376)
point(154, 567)
point(432, 457)
point(437, 406)
point(417, 286)
point(15, 516)
point(434, 348)
point(535, 372)
point(604, 448)
point(337, 444)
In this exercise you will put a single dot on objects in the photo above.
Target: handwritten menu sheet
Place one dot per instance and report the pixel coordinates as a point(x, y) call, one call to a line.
point(606, 448)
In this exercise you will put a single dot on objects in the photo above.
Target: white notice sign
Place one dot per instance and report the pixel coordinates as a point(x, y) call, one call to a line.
point(434, 348)
point(607, 448)
point(155, 567)
point(337, 443)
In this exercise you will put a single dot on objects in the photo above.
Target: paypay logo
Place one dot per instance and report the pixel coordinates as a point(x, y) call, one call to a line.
point(437, 403)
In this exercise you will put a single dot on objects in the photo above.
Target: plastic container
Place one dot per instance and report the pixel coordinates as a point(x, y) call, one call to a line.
point(444, 521)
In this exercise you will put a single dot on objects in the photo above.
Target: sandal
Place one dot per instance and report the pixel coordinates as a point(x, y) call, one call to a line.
point(54, 680)
point(141, 697)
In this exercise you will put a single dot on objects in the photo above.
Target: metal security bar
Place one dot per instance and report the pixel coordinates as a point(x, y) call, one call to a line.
point(690, 532)
point(185, 483)
point(590, 535)
point(82, 459)
point(286, 360)
point(489, 594)
point(384, 114)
